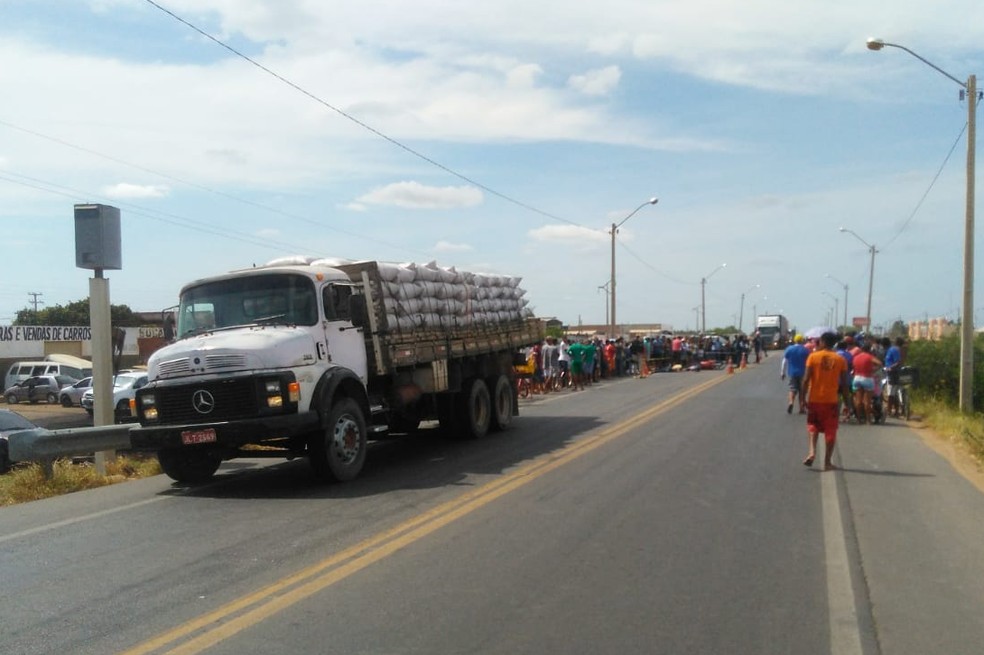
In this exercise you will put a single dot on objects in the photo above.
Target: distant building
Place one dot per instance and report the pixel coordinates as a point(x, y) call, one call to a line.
point(932, 329)
point(626, 330)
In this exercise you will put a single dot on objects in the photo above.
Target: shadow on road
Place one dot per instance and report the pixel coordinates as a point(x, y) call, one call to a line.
point(427, 459)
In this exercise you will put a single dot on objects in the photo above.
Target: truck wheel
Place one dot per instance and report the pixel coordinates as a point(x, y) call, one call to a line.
point(502, 401)
point(339, 452)
point(11, 399)
point(188, 464)
point(475, 409)
point(52, 398)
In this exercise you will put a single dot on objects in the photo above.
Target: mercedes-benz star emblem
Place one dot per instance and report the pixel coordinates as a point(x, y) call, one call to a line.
point(203, 402)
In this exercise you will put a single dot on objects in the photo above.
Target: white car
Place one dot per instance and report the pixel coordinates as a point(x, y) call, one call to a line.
point(72, 396)
point(125, 387)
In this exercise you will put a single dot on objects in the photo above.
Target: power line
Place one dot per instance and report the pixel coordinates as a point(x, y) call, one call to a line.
point(358, 122)
point(929, 188)
point(123, 162)
point(651, 267)
point(164, 217)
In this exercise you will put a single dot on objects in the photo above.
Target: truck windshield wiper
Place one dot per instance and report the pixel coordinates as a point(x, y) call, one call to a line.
point(273, 318)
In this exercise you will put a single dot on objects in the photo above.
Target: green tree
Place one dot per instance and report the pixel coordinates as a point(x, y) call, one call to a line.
point(556, 331)
point(75, 313)
point(939, 369)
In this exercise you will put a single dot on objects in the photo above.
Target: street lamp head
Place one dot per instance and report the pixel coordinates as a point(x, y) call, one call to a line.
point(843, 229)
point(653, 201)
point(875, 44)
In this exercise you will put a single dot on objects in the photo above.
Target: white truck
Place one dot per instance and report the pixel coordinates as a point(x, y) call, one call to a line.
point(773, 329)
point(308, 358)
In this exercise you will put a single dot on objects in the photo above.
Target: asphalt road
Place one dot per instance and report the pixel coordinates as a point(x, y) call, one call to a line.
point(666, 515)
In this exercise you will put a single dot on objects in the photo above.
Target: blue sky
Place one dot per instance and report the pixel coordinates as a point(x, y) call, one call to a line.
point(762, 127)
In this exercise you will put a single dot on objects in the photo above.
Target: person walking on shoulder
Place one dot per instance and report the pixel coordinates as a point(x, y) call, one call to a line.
point(794, 365)
point(824, 382)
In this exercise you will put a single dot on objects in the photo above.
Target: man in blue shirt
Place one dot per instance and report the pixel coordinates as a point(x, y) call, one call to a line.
point(893, 353)
point(794, 365)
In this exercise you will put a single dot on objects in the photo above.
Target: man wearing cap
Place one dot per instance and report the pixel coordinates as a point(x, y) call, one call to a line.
point(794, 365)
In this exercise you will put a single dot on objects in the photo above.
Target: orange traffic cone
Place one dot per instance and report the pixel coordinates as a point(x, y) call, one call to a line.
point(731, 367)
point(744, 361)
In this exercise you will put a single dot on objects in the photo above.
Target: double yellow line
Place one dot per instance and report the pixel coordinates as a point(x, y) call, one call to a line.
point(232, 618)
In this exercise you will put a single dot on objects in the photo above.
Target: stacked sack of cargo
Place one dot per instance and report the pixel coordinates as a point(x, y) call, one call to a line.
point(431, 296)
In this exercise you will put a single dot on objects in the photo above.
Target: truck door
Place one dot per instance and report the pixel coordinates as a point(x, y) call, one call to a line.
point(344, 343)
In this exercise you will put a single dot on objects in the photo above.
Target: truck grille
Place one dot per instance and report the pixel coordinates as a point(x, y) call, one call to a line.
point(233, 399)
point(184, 366)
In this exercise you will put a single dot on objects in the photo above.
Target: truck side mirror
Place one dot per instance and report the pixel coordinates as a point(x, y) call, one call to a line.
point(357, 310)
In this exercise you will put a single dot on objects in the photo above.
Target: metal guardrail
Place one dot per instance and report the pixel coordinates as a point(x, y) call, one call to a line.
point(41, 445)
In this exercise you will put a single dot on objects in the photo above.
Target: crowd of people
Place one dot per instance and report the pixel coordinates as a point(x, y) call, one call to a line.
point(836, 378)
point(576, 362)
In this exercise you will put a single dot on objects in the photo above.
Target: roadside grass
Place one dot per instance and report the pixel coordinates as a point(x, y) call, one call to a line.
point(27, 482)
point(963, 430)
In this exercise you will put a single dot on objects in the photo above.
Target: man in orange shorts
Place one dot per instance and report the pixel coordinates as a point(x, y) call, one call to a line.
point(824, 382)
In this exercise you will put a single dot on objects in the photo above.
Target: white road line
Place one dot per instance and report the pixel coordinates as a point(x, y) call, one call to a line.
point(79, 519)
point(845, 633)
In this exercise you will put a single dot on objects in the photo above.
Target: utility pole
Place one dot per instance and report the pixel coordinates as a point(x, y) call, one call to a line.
point(35, 300)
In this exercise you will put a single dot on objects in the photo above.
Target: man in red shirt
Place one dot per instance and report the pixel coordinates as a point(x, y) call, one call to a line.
point(824, 382)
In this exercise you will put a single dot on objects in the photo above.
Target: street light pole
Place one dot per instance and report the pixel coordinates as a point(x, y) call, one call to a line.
point(871, 275)
point(703, 305)
point(967, 313)
point(741, 310)
point(615, 226)
point(843, 284)
point(836, 308)
point(604, 287)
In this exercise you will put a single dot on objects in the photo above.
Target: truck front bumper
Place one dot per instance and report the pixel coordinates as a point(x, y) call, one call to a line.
point(232, 434)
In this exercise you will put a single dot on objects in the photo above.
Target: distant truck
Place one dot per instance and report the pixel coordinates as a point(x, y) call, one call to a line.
point(309, 358)
point(773, 329)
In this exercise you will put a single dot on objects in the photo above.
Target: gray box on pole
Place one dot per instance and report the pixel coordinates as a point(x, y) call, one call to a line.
point(97, 237)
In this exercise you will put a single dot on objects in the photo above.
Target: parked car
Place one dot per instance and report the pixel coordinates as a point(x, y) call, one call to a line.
point(72, 396)
point(10, 422)
point(125, 386)
point(37, 388)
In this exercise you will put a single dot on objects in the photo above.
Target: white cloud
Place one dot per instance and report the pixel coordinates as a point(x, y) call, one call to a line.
point(447, 246)
point(124, 190)
point(414, 195)
point(573, 235)
point(596, 82)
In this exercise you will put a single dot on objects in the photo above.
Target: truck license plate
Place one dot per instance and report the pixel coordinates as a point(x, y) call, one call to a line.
point(189, 437)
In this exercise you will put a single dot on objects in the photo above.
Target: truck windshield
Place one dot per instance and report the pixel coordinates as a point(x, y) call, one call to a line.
point(284, 298)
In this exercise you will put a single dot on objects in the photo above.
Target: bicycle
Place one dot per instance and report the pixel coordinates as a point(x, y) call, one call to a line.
point(899, 383)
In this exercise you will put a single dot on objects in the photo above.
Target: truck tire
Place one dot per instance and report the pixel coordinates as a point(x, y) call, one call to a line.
point(51, 398)
point(11, 399)
point(192, 465)
point(339, 452)
point(474, 409)
point(502, 401)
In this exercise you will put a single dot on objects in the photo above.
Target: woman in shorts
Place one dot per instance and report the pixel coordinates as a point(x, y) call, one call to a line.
point(863, 384)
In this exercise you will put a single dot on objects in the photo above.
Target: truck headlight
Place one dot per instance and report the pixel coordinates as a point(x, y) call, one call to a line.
point(274, 395)
point(148, 402)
